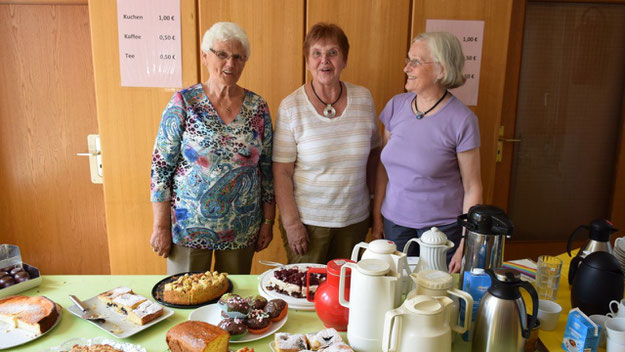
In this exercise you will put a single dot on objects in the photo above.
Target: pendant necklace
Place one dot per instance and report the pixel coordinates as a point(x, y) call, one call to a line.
point(219, 101)
point(329, 110)
point(421, 114)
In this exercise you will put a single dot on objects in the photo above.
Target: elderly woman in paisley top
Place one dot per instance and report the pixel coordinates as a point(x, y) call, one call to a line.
point(212, 189)
point(326, 147)
point(430, 165)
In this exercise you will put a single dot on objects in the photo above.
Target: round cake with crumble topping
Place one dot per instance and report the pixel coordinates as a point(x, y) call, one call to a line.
point(190, 289)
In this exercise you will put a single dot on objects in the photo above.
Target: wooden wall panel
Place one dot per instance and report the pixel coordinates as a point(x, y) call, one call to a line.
point(275, 29)
point(496, 15)
point(48, 205)
point(379, 37)
point(128, 118)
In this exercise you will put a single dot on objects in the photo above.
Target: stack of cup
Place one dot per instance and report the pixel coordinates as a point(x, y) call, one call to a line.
point(600, 320)
point(615, 329)
point(617, 309)
point(548, 272)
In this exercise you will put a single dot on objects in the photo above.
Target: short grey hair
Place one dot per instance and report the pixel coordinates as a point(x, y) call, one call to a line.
point(445, 49)
point(223, 32)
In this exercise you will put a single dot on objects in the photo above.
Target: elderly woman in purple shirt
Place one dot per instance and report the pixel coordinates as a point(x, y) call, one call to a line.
point(429, 172)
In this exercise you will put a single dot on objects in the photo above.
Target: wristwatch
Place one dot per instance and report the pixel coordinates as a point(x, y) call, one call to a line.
point(268, 221)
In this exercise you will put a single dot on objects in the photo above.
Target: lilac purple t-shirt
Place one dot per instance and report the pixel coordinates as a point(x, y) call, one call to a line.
point(424, 184)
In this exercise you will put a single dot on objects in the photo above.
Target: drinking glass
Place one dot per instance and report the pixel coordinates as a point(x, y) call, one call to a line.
point(548, 272)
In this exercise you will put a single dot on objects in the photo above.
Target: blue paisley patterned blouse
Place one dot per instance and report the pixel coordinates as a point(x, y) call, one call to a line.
point(216, 176)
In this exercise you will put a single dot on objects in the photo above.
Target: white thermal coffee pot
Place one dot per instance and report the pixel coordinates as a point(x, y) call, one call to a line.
point(433, 247)
point(384, 250)
point(422, 323)
point(371, 296)
point(387, 251)
point(436, 283)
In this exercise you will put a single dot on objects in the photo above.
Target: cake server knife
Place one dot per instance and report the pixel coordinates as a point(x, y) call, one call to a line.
point(85, 311)
point(270, 263)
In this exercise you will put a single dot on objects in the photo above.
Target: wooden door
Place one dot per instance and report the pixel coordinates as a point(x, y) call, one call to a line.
point(569, 118)
point(48, 205)
point(128, 118)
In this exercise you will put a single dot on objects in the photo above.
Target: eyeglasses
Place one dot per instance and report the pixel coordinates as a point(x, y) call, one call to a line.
point(330, 53)
point(225, 56)
point(417, 62)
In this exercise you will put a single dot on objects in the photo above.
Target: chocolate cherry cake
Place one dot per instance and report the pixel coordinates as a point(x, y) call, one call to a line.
point(292, 282)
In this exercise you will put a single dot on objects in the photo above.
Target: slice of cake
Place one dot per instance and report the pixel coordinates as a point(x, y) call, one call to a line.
point(196, 288)
point(127, 302)
point(108, 296)
point(197, 336)
point(292, 281)
point(338, 347)
point(285, 342)
point(34, 314)
point(323, 339)
point(145, 313)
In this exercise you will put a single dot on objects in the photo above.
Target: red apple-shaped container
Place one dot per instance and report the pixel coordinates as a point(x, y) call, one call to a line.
point(329, 310)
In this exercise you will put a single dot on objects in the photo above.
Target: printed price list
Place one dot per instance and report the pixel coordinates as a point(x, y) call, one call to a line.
point(149, 43)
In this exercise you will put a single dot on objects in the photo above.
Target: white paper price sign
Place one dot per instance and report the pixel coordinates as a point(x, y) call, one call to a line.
point(471, 35)
point(149, 43)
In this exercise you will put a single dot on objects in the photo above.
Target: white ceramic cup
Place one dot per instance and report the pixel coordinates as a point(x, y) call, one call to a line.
point(619, 308)
point(601, 320)
point(620, 243)
point(548, 314)
point(615, 328)
point(613, 346)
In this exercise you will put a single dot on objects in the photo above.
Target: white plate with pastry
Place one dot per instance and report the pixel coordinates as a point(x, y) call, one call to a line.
point(272, 286)
point(124, 312)
point(212, 314)
point(18, 329)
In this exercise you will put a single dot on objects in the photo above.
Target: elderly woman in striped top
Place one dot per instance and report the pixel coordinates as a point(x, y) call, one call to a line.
point(325, 152)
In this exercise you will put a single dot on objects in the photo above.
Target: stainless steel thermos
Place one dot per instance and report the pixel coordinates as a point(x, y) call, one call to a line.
point(486, 226)
point(501, 322)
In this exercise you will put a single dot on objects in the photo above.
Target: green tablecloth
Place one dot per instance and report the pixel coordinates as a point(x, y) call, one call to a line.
point(58, 287)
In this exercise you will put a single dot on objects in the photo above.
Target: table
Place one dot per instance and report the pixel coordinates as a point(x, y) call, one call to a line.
point(58, 287)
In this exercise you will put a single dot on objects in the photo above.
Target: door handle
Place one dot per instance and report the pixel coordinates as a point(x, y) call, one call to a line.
point(95, 157)
point(508, 140)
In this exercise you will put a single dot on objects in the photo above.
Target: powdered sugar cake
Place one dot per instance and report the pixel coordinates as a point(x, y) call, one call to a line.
point(33, 314)
point(145, 312)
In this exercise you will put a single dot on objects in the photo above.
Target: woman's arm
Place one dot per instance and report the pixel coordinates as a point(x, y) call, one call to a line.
point(469, 163)
point(265, 234)
point(295, 230)
point(164, 161)
point(381, 180)
point(161, 231)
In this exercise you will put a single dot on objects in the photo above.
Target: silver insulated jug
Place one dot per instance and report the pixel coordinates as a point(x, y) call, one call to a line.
point(501, 321)
point(486, 226)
